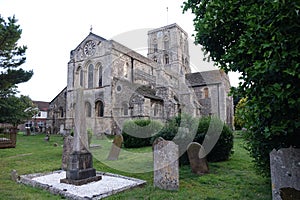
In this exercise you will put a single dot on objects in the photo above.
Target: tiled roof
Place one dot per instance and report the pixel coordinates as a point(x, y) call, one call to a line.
point(42, 105)
point(204, 78)
point(147, 92)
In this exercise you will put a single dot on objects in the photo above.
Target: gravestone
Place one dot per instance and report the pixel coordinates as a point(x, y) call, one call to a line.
point(14, 175)
point(115, 148)
point(285, 172)
point(197, 158)
point(165, 157)
point(67, 149)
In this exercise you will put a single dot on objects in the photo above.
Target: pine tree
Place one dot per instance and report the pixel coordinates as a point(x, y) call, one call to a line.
point(13, 109)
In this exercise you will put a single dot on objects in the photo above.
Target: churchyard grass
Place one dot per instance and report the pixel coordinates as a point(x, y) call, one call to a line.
point(233, 179)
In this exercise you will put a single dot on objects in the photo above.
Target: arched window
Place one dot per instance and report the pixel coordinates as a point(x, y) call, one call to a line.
point(126, 70)
point(61, 112)
point(125, 108)
point(155, 47)
point(88, 109)
point(91, 76)
point(100, 76)
point(99, 109)
point(166, 43)
point(81, 77)
point(155, 110)
point(205, 90)
point(166, 59)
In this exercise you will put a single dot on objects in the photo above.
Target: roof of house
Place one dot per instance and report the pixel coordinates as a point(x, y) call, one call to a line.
point(42, 105)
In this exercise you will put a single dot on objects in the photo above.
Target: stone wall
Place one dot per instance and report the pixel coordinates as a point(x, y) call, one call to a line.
point(57, 112)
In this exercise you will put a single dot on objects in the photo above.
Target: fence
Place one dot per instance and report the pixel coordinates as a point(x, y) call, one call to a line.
point(8, 137)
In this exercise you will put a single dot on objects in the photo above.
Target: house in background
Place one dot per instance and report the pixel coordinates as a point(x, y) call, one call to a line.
point(38, 122)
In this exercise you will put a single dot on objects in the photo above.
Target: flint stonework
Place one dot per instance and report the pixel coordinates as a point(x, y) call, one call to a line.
point(197, 158)
point(166, 172)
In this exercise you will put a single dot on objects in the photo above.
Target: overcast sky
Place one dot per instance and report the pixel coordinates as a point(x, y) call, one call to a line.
point(51, 29)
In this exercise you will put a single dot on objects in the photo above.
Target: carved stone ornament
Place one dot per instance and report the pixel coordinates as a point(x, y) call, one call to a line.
point(89, 48)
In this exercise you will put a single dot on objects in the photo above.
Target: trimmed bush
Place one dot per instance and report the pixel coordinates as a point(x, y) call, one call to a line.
point(137, 133)
point(208, 128)
point(198, 130)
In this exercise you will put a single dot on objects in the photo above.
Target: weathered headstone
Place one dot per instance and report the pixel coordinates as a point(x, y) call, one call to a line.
point(197, 158)
point(15, 176)
point(115, 148)
point(166, 172)
point(285, 171)
point(67, 149)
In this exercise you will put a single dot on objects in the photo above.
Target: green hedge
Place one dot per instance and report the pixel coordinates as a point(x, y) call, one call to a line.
point(198, 130)
point(222, 150)
point(137, 133)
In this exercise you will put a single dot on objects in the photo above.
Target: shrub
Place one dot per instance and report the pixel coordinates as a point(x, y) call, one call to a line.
point(137, 133)
point(199, 129)
point(208, 128)
point(181, 130)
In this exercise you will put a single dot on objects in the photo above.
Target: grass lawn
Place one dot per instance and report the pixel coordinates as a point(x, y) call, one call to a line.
point(233, 179)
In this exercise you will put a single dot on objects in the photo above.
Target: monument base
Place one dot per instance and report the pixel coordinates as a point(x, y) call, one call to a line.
point(82, 181)
point(80, 169)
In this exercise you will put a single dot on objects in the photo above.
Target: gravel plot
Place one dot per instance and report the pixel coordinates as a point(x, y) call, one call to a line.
point(110, 184)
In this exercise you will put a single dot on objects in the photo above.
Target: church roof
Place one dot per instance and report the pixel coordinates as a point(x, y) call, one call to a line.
point(167, 27)
point(91, 35)
point(204, 78)
point(147, 92)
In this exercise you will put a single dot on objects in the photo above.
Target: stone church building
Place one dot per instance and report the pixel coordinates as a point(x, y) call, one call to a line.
point(119, 83)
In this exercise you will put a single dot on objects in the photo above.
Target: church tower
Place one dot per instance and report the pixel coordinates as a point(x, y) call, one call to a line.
point(168, 46)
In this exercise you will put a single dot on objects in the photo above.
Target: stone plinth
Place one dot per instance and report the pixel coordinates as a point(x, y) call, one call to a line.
point(80, 169)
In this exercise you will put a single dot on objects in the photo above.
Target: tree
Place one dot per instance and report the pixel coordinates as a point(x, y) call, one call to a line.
point(12, 108)
point(11, 57)
point(260, 39)
point(15, 110)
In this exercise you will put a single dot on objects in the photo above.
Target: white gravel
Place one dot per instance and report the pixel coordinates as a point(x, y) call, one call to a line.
point(110, 184)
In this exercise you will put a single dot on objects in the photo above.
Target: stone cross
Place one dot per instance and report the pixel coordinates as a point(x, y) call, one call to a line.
point(197, 158)
point(115, 148)
point(166, 167)
point(80, 132)
point(80, 165)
